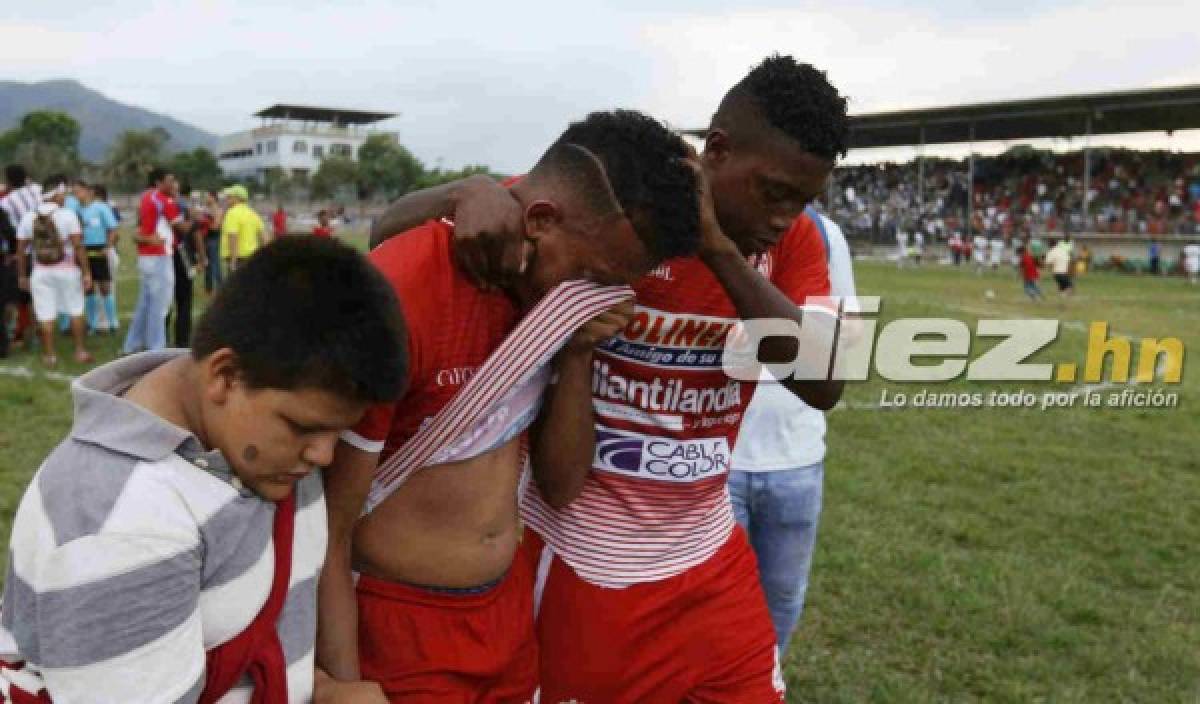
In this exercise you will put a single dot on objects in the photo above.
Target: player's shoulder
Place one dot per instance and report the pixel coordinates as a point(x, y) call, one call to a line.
point(807, 236)
point(419, 257)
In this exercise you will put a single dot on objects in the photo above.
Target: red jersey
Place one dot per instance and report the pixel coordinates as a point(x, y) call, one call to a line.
point(655, 503)
point(279, 221)
point(156, 214)
point(452, 328)
point(322, 231)
point(1029, 267)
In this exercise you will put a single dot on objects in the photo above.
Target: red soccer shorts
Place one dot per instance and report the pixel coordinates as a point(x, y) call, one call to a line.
point(423, 645)
point(700, 636)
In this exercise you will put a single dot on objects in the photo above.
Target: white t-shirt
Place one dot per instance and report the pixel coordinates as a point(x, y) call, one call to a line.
point(997, 250)
point(67, 223)
point(1191, 257)
point(779, 431)
point(979, 247)
point(1058, 259)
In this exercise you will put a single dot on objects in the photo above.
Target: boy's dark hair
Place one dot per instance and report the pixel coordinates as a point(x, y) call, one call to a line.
point(645, 165)
point(15, 176)
point(156, 175)
point(339, 328)
point(794, 98)
point(54, 181)
point(1020, 249)
point(101, 191)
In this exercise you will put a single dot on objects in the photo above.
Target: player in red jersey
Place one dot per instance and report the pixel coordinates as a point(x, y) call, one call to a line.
point(649, 590)
point(444, 608)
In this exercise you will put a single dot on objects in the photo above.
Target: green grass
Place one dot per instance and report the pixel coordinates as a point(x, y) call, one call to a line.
point(966, 555)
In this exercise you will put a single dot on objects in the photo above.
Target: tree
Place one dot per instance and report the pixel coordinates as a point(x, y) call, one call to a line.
point(51, 128)
point(133, 155)
point(437, 177)
point(198, 168)
point(336, 175)
point(386, 168)
point(45, 141)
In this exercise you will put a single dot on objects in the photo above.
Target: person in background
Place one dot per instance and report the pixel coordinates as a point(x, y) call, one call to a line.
point(979, 252)
point(209, 217)
point(241, 228)
point(279, 222)
point(99, 238)
point(1155, 257)
point(778, 470)
point(60, 268)
point(956, 248)
point(323, 228)
point(189, 257)
point(22, 196)
point(8, 274)
point(1029, 273)
point(1058, 260)
point(1191, 261)
point(158, 215)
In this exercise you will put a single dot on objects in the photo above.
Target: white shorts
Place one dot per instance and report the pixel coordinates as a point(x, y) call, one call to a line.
point(56, 290)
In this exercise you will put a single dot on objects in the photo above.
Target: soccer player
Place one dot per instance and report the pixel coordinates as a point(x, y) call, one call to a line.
point(444, 608)
point(1058, 260)
point(979, 252)
point(650, 590)
point(1191, 262)
point(1029, 273)
point(997, 253)
point(168, 549)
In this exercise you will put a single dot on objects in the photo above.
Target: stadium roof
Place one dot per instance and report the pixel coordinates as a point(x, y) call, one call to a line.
point(1149, 110)
point(337, 116)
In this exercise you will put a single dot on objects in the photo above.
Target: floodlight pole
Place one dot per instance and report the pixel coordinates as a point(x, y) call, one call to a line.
point(970, 179)
point(1087, 167)
point(921, 174)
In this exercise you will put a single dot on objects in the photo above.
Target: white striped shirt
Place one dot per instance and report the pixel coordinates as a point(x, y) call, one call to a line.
point(134, 552)
point(655, 503)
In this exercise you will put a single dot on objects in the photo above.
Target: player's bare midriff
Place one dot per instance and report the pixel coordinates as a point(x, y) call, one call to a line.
point(449, 525)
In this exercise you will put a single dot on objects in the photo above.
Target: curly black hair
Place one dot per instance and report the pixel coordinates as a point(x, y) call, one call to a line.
point(646, 166)
point(339, 329)
point(796, 99)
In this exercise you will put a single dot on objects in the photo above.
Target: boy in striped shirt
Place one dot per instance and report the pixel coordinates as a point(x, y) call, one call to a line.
point(168, 549)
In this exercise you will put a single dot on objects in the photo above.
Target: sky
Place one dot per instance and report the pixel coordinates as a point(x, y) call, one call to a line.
point(494, 83)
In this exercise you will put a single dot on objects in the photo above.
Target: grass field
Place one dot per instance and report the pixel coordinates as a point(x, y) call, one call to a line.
point(991, 554)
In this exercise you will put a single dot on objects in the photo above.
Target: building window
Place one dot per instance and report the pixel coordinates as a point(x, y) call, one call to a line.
point(272, 146)
point(299, 147)
point(341, 150)
point(318, 151)
point(258, 147)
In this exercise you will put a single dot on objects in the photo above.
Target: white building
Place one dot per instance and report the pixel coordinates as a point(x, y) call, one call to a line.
point(294, 139)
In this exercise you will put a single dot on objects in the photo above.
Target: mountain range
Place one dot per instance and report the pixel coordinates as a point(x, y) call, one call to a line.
point(101, 119)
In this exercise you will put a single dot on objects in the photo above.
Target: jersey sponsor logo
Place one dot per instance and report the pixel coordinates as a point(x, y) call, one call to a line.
point(671, 341)
point(454, 376)
point(661, 459)
point(662, 271)
point(667, 395)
